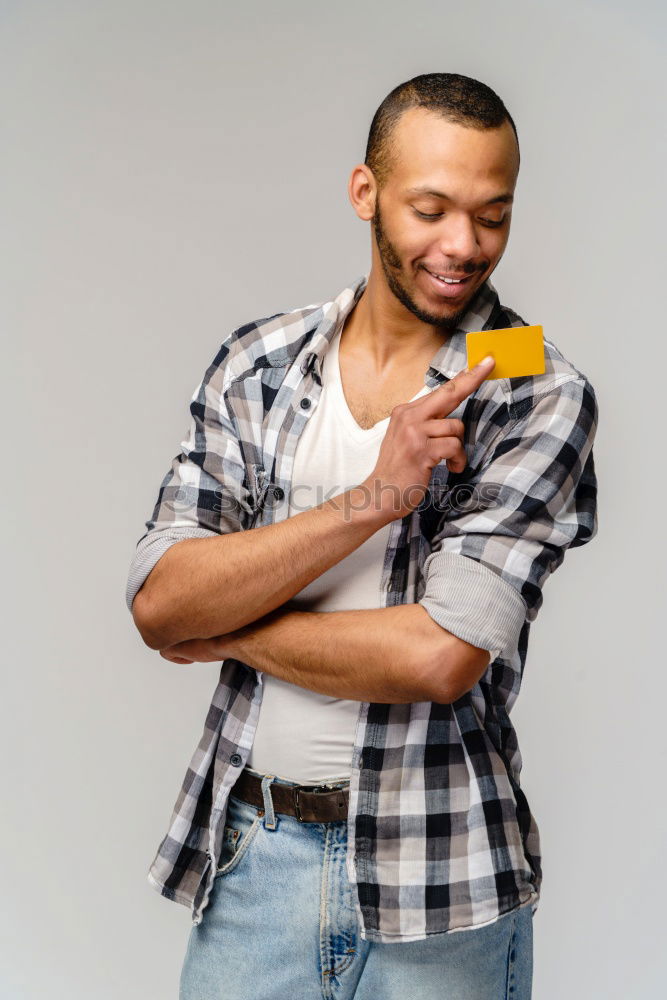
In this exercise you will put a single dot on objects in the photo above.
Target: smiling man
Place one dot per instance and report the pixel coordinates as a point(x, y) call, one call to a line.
point(360, 529)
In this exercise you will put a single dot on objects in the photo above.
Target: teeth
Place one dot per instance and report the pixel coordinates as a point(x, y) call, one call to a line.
point(450, 281)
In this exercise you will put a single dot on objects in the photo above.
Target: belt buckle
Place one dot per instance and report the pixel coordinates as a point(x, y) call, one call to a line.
point(312, 788)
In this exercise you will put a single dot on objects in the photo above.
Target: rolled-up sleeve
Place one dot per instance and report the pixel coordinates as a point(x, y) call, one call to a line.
point(205, 491)
point(506, 528)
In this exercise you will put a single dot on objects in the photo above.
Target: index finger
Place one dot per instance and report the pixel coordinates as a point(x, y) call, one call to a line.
point(463, 383)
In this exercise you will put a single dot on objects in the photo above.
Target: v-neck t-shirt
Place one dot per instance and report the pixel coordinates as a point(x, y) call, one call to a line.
point(304, 735)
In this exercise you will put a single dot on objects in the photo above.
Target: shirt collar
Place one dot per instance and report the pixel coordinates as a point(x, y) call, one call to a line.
point(449, 359)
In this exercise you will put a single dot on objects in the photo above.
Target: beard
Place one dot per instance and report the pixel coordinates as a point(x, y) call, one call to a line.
point(391, 262)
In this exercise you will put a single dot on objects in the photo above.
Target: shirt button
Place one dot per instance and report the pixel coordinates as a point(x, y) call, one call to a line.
point(278, 492)
point(236, 759)
point(305, 403)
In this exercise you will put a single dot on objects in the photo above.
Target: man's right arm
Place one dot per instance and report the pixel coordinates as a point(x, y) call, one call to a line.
point(203, 587)
point(199, 571)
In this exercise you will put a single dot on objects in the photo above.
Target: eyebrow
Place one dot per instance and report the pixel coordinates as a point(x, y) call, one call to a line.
point(505, 198)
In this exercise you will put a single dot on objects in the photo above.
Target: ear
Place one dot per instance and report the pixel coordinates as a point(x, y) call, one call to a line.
point(362, 191)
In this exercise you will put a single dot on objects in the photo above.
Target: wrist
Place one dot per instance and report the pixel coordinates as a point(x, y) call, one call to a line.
point(235, 645)
point(381, 501)
point(357, 507)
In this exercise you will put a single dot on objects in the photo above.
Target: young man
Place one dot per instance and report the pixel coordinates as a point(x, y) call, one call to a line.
point(360, 529)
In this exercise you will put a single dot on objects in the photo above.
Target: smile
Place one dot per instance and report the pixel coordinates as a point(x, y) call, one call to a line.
point(448, 287)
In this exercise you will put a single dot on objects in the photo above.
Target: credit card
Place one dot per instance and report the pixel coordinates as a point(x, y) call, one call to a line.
point(517, 350)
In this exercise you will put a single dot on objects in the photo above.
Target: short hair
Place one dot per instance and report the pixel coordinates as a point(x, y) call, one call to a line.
point(454, 97)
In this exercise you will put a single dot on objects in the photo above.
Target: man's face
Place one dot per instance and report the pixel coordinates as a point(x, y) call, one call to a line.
point(454, 226)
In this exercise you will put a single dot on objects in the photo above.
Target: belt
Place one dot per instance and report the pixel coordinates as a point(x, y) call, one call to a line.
point(309, 803)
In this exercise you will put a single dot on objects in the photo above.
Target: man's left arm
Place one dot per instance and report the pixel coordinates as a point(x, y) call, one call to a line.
point(394, 655)
point(532, 498)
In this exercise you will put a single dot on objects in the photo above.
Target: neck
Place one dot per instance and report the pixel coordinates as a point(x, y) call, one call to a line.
point(382, 329)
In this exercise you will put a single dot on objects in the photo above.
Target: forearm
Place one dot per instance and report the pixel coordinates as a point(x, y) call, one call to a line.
point(204, 587)
point(380, 654)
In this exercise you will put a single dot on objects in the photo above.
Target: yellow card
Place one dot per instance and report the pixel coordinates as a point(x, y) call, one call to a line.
point(518, 350)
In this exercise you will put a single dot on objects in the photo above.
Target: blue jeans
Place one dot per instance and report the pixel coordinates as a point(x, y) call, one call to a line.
point(281, 924)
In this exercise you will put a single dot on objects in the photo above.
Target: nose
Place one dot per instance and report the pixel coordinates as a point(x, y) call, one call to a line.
point(457, 238)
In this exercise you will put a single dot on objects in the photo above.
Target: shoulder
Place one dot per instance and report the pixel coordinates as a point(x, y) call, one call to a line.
point(273, 341)
point(278, 340)
point(560, 402)
point(561, 377)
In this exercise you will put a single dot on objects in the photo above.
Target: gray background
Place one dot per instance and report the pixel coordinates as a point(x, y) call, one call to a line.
point(169, 171)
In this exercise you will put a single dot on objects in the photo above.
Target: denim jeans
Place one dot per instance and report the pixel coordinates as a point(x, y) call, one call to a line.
point(281, 924)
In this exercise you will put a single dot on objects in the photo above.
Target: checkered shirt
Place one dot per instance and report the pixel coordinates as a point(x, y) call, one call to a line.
point(440, 834)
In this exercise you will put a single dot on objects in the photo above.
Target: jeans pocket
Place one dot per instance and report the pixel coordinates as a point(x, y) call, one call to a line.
point(241, 824)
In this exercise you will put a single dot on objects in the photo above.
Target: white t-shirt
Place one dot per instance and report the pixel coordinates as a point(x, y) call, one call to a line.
point(303, 735)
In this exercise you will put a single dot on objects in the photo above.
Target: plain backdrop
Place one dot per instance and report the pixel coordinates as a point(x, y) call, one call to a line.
point(172, 170)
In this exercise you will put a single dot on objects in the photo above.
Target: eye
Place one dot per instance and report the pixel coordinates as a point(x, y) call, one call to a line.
point(487, 222)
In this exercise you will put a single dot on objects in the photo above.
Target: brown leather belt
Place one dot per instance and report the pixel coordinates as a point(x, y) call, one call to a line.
point(309, 803)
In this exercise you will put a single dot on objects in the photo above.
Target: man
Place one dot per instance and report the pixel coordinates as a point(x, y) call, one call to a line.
point(360, 529)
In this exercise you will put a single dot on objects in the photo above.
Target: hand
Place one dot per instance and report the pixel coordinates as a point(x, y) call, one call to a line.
point(417, 438)
point(219, 647)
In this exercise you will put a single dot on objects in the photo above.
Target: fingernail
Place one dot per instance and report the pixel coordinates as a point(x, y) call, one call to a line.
point(485, 362)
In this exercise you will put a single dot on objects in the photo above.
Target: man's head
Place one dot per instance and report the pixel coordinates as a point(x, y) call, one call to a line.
point(453, 138)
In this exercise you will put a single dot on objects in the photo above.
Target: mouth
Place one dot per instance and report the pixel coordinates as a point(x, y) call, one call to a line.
point(447, 286)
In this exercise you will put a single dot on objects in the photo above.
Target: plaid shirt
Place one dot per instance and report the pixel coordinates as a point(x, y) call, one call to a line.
point(440, 834)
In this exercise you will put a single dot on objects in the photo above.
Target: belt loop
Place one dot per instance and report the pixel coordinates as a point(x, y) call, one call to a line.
point(270, 821)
